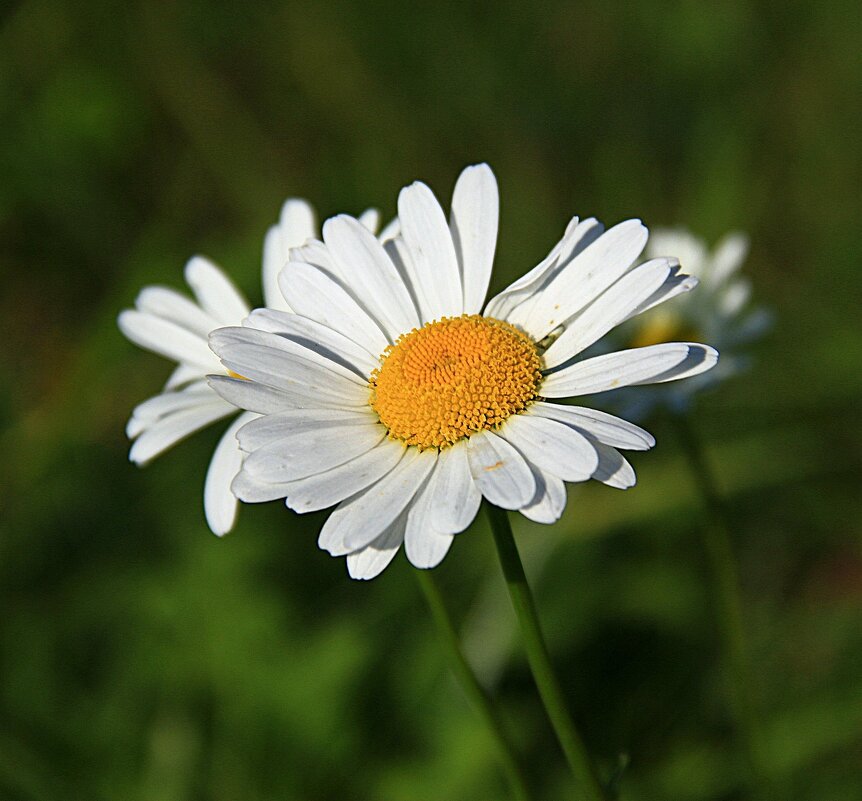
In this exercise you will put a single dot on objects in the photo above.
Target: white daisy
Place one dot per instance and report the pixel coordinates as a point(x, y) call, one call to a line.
point(174, 326)
point(719, 312)
point(391, 394)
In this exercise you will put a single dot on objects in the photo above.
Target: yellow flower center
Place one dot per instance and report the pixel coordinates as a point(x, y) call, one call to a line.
point(454, 377)
point(659, 327)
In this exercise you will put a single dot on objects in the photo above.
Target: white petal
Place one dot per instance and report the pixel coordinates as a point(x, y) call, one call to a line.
point(307, 452)
point(296, 224)
point(473, 223)
point(169, 340)
point(313, 293)
point(251, 489)
point(182, 375)
point(397, 250)
point(360, 519)
point(576, 236)
point(676, 284)
point(264, 430)
point(429, 243)
point(215, 291)
point(500, 472)
point(727, 258)
point(550, 499)
point(734, 297)
point(333, 486)
point(613, 469)
point(370, 561)
point(166, 403)
point(370, 274)
point(653, 364)
point(220, 504)
point(425, 547)
point(608, 310)
point(169, 430)
point(315, 336)
point(171, 305)
point(552, 446)
point(279, 363)
point(604, 427)
point(586, 276)
point(252, 396)
point(370, 218)
point(390, 231)
point(455, 496)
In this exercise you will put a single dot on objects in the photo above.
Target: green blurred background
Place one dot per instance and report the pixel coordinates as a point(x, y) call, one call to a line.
point(142, 659)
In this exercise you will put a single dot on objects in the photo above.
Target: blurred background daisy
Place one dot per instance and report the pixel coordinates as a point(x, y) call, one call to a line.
point(141, 658)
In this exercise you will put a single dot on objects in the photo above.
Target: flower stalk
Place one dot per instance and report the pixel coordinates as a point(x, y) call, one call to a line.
point(580, 764)
point(724, 579)
point(477, 694)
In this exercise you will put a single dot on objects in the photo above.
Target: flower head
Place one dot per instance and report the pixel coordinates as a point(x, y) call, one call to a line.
point(173, 325)
point(390, 394)
point(719, 312)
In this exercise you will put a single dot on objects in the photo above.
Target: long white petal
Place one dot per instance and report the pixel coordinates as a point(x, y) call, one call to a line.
point(317, 337)
point(313, 293)
point(613, 469)
point(171, 305)
point(606, 428)
point(370, 561)
point(168, 339)
point(585, 277)
point(215, 291)
point(296, 224)
point(473, 223)
point(500, 472)
point(305, 453)
point(370, 218)
point(220, 504)
point(264, 430)
point(676, 284)
point(425, 547)
point(455, 496)
point(550, 499)
point(251, 489)
point(553, 446)
point(515, 302)
point(608, 310)
point(360, 519)
point(252, 396)
point(169, 430)
point(167, 403)
point(652, 364)
point(333, 486)
point(370, 274)
point(429, 243)
point(279, 363)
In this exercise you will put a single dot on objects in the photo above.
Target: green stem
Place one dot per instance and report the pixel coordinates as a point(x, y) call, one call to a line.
point(725, 581)
point(477, 694)
point(589, 786)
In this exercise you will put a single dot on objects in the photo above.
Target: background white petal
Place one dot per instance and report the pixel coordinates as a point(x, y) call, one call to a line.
point(220, 504)
point(215, 292)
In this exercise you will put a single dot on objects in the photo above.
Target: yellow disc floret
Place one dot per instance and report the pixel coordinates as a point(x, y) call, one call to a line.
point(454, 377)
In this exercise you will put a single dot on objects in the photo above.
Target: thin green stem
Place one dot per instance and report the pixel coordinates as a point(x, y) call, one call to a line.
point(477, 694)
point(727, 597)
point(589, 786)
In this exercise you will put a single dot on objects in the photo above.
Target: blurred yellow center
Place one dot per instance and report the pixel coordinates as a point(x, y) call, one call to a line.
point(454, 377)
point(660, 327)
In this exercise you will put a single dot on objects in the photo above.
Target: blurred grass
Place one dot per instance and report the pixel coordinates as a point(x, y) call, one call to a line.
point(142, 659)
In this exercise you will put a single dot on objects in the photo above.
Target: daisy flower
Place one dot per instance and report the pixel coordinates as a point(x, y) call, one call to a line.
point(390, 394)
point(719, 312)
point(172, 325)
